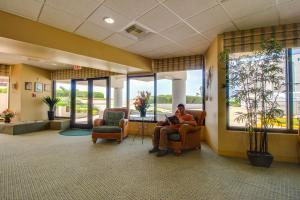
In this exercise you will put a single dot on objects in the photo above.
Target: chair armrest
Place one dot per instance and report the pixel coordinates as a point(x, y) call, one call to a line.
point(123, 123)
point(98, 122)
point(187, 129)
point(162, 123)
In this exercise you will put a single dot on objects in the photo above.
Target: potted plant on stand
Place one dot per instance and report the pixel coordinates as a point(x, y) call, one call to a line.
point(7, 115)
point(257, 80)
point(141, 102)
point(51, 102)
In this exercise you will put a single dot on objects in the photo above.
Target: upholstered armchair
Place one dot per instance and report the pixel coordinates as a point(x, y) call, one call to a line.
point(188, 136)
point(113, 125)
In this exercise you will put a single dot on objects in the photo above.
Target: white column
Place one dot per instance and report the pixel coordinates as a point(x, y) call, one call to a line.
point(178, 93)
point(118, 97)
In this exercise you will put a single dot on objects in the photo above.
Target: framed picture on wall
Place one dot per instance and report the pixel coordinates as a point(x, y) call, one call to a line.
point(47, 87)
point(28, 85)
point(38, 87)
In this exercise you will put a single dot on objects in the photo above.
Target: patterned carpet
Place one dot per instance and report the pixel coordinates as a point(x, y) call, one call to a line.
point(46, 165)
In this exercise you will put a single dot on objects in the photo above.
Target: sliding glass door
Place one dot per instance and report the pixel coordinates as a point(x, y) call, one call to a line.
point(89, 98)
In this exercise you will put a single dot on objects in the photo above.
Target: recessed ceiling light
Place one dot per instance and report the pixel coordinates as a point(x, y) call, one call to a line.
point(108, 20)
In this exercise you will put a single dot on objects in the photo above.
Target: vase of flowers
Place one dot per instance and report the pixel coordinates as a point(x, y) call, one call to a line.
point(7, 115)
point(141, 102)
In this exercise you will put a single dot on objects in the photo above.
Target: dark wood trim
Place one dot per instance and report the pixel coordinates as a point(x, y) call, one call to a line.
point(155, 97)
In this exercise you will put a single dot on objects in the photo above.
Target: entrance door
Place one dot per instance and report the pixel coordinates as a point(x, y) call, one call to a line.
point(89, 99)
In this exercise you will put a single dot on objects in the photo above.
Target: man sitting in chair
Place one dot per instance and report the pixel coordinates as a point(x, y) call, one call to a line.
point(161, 131)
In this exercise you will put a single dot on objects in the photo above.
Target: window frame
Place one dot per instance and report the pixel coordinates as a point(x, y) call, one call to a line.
point(289, 98)
point(155, 95)
point(9, 88)
point(54, 95)
point(132, 76)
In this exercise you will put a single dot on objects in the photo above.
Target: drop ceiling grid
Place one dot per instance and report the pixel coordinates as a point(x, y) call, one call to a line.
point(238, 16)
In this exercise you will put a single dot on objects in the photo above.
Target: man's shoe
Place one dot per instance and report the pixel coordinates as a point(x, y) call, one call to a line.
point(161, 153)
point(154, 150)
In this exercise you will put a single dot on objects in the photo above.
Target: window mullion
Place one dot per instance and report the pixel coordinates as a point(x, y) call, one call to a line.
point(290, 90)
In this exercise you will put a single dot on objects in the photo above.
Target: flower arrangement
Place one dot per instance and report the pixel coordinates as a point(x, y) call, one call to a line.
point(141, 102)
point(7, 115)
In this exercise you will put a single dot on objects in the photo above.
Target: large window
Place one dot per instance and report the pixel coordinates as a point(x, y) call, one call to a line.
point(136, 85)
point(63, 92)
point(167, 89)
point(118, 91)
point(288, 96)
point(178, 87)
point(4, 92)
point(99, 98)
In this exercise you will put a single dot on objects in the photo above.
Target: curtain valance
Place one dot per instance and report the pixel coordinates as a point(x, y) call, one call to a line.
point(250, 40)
point(178, 63)
point(4, 70)
point(83, 73)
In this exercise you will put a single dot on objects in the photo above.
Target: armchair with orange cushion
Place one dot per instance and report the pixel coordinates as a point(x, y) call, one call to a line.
point(188, 136)
point(113, 125)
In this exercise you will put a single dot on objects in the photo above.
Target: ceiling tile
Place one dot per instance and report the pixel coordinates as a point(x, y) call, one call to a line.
point(130, 8)
point(181, 52)
point(25, 8)
point(290, 20)
point(59, 19)
point(79, 8)
point(151, 42)
point(196, 40)
point(283, 1)
point(119, 40)
point(168, 49)
point(241, 8)
point(199, 49)
point(93, 31)
point(189, 8)
point(289, 12)
point(179, 32)
point(211, 34)
point(120, 21)
point(209, 19)
point(261, 19)
point(158, 19)
point(156, 54)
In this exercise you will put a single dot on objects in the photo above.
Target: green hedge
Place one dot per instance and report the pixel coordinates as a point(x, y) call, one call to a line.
point(3, 90)
point(167, 99)
point(62, 92)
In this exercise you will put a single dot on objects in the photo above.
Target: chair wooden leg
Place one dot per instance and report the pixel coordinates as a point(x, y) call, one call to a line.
point(198, 147)
point(177, 152)
point(119, 140)
point(94, 140)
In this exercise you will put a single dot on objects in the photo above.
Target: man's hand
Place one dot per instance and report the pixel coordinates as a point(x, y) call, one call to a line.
point(181, 121)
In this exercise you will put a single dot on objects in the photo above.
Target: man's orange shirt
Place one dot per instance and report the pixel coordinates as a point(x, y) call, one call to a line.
point(185, 117)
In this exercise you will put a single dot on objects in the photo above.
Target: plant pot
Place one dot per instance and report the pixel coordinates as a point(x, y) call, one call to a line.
point(260, 159)
point(7, 120)
point(143, 112)
point(51, 115)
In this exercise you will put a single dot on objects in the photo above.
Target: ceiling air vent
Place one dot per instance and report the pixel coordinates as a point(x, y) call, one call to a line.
point(136, 31)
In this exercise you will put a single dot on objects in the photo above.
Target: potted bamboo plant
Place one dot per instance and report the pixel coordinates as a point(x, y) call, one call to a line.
point(51, 102)
point(256, 81)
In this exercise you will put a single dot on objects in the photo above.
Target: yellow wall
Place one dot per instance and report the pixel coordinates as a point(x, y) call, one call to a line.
point(21, 101)
point(284, 147)
point(21, 29)
point(211, 102)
